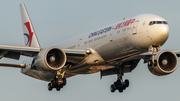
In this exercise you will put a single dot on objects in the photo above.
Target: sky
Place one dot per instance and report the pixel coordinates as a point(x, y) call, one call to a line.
point(57, 20)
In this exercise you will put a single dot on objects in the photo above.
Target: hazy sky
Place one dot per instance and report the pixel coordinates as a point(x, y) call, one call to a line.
point(57, 20)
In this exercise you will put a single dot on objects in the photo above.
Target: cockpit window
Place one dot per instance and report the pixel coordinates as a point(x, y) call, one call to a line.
point(164, 22)
point(157, 22)
point(154, 22)
point(151, 23)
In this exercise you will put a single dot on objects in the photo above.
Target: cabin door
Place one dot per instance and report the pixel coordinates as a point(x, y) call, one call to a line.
point(135, 26)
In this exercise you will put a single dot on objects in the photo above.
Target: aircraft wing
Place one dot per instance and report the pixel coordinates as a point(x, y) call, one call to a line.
point(133, 61)
point(177, 52)
point(148, 55)
point(14, 52)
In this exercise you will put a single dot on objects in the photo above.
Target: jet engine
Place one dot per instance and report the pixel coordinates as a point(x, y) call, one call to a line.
point(50, 59)
point(165, 62)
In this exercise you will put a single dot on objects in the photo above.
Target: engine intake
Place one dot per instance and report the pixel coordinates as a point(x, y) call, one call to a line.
point(166, 62)
point(50, 59)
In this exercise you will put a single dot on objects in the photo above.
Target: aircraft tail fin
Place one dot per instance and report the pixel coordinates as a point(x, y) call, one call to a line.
point(30, 37)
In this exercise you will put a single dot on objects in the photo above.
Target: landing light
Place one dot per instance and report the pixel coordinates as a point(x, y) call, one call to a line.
point(88, 51)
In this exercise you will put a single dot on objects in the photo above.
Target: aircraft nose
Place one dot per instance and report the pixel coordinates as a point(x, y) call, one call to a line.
point(163, 34)
point(163, 31)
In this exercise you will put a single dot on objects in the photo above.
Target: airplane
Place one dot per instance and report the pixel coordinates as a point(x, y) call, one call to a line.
point(113, 49)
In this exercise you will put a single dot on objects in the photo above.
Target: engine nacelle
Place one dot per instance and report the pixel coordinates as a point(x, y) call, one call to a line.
point(50, 59)
point(166, 62)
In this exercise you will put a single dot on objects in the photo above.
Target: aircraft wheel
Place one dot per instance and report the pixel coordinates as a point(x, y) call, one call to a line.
point(120, 90)
point(112, 88)
point(53, 82)
point(115, 85)
point(50, 87)
point(64, 81)
point(61, 86)
point(126, 83)
point(58, 88)
point(124, 87)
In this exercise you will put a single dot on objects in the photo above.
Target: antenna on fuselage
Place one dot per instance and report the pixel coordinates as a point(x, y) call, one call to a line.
point(125, 18)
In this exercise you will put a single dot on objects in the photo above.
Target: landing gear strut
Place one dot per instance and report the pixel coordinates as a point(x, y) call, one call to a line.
point(119, 85)
point(59, 81)
point(153, 51)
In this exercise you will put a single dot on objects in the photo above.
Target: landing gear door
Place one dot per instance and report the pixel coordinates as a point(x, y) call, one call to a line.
point(135, 25)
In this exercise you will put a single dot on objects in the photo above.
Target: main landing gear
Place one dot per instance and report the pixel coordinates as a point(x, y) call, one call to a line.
point(119, 85)
point(57, 83)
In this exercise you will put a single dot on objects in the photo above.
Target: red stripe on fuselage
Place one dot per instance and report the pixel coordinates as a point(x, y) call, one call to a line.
point(27, 24)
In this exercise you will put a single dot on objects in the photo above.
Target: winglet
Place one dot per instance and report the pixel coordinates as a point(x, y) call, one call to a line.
point(28, 30)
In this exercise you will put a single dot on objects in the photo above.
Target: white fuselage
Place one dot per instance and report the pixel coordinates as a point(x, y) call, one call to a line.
point(122, 39)
point(117, 41)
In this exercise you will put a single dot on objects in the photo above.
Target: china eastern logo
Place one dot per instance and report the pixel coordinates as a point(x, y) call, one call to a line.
point(99, 32)
point(30, 35)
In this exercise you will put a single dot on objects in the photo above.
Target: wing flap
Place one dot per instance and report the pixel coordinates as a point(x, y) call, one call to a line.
point(14, 52)
point(11, 54)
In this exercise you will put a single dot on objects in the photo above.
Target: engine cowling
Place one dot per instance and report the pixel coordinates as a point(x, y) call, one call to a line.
point(166, 62)
point(50, 59)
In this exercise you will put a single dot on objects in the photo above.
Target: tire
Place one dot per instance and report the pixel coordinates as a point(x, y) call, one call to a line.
point(64, 81)
point(120, 90)
point(61, 86)
point(115, 85)
point(124, 87)
point(126, 83)
point(49, 87)
point(58, 88)
point(112, 88)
